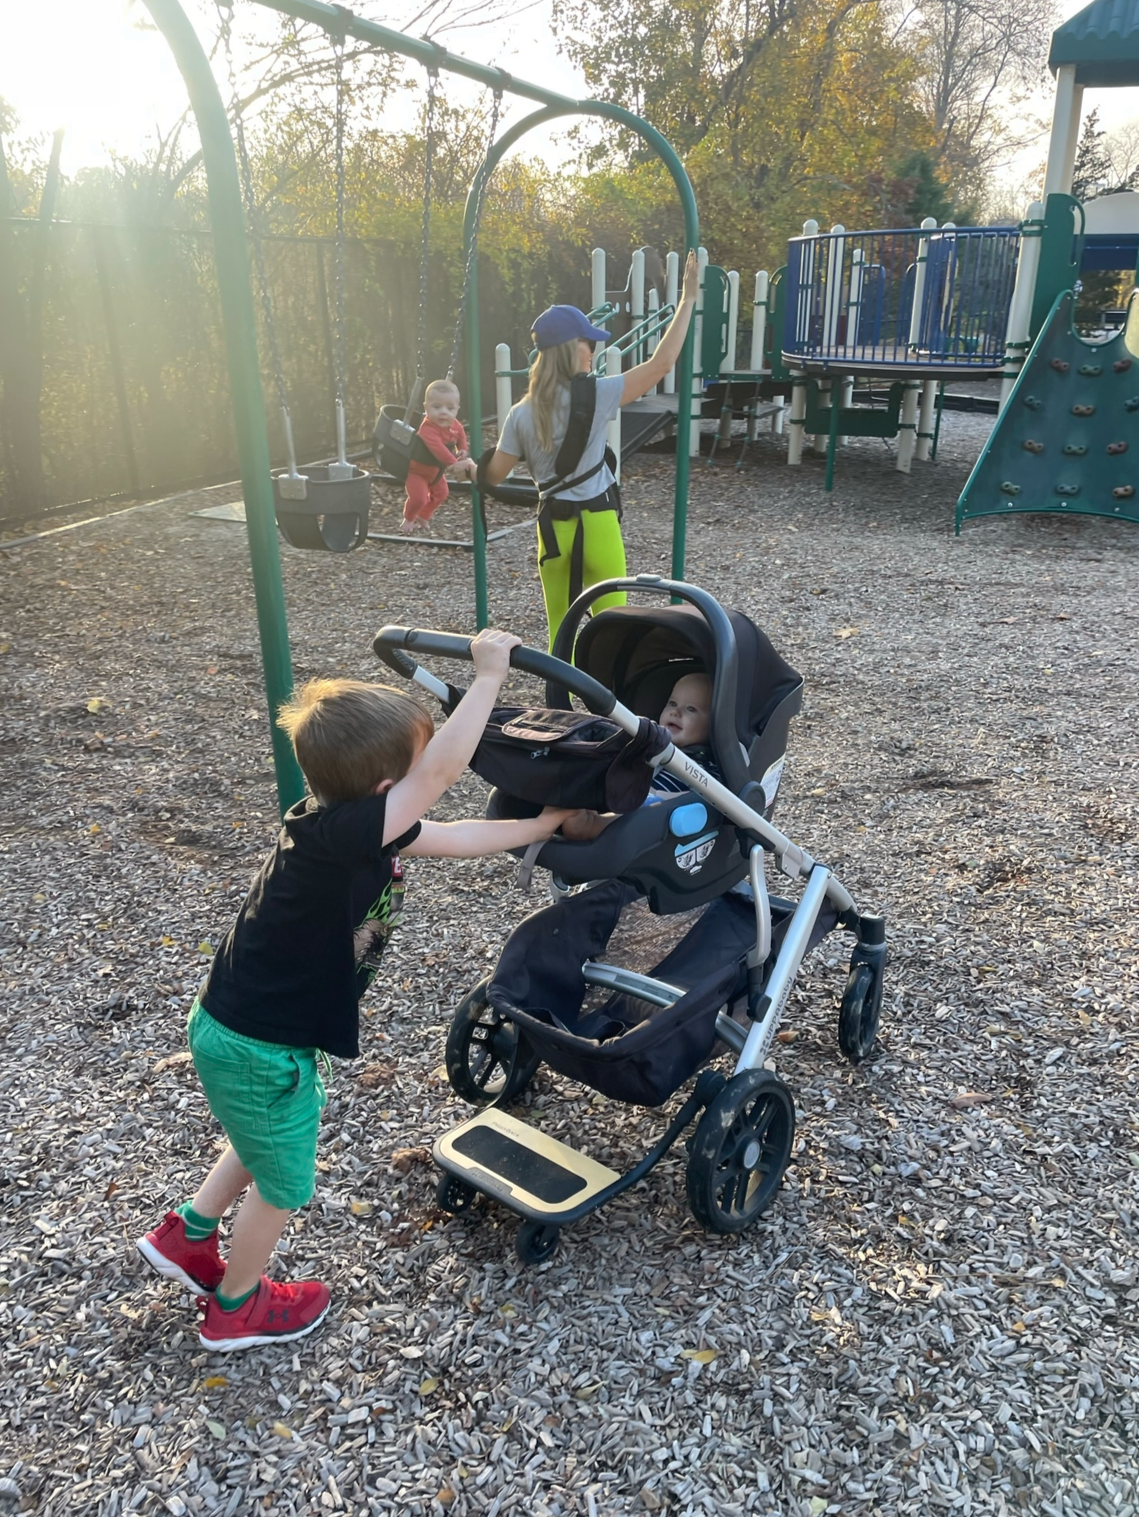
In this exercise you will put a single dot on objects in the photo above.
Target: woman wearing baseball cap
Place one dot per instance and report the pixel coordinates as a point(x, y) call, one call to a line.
point(579, 528)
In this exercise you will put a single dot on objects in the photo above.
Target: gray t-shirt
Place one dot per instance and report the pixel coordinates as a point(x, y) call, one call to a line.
point(519, 438)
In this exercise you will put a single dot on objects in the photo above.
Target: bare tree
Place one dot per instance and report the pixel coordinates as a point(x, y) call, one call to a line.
point(980, 61)
point(1121, 149)
point(282, 66)
point(439, 18)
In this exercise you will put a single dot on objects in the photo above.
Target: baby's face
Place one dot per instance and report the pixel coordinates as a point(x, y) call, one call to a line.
point(687, 713)
point(442, 406)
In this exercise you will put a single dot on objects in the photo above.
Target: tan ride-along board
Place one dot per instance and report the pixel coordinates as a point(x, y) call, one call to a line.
point(535, 1175)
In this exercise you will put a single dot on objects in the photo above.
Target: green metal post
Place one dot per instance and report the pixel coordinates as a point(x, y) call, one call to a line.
point(474, 411)
point(232, 254)
point(832, 433)
point(937, 424)
point(684, 406)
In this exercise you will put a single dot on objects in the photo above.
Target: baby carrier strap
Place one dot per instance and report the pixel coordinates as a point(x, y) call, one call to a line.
point(551, 508)
point(583, 404)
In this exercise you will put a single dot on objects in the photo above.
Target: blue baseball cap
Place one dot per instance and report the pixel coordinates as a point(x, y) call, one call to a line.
point(561, 324)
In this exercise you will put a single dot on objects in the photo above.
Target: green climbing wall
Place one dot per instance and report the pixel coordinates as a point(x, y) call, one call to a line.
point(1068, 439)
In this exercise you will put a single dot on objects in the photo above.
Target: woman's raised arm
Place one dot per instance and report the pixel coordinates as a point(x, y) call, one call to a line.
point(640, 381)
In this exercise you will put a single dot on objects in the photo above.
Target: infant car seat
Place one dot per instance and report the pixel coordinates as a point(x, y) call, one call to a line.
point(678, 852)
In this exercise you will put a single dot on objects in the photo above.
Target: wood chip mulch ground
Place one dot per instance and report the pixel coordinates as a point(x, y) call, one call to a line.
point(938, 1313)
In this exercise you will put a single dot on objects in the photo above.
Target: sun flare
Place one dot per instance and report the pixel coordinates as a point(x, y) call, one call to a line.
point(96, 68)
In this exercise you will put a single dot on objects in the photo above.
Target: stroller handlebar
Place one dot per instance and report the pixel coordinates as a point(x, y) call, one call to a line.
point(393, 645)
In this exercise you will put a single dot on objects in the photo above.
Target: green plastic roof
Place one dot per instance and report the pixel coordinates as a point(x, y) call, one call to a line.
point(1102, 41)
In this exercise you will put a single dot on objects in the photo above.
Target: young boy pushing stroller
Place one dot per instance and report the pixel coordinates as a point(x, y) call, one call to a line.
point(283, 990)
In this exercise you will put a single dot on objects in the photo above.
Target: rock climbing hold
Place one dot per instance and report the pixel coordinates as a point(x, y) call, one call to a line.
point(1123, 492)
point(1091, 370)
point(1117, 447)
point(1131, 403)
point(1067, 489)
point(1121, 365)
point(1061, 365)
point(1033, 402)
point(1083, 410)
point(1030, 445)
point(1008, 488)
point(1075, 450)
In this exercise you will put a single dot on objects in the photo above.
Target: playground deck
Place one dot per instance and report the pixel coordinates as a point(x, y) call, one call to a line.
point(894, 359)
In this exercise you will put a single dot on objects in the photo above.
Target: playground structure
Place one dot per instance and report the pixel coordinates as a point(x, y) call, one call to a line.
point(917, 308)
point(1064, 441)
point(1064, 438)
point(911, 309)
point(235, 290)
point(637, 316)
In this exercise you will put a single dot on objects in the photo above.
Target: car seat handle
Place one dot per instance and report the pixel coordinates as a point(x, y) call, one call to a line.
point(395, 646)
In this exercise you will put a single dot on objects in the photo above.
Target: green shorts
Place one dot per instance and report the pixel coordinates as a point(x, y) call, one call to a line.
point(268, 1098)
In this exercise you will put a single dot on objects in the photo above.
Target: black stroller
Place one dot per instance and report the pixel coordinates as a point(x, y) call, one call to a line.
point(722, 988)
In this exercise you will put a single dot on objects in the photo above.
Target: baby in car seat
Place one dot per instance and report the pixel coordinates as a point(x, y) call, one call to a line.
point(687, 719)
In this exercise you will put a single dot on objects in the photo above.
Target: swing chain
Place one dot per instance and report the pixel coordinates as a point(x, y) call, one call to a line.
point(338, 41)
point(225, 9)
point(421, 359)
point(472, 251)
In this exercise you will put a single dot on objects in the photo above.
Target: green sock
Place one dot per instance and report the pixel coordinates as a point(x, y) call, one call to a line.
point(231, 1303)
point(197, 1227)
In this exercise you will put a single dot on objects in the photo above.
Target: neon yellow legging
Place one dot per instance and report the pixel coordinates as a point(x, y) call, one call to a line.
point(603, 557)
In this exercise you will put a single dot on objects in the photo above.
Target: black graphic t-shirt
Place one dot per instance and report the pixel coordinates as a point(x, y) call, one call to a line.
point(308, 939)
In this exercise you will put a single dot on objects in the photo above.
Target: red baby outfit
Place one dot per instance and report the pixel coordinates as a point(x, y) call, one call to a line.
point(425, 493)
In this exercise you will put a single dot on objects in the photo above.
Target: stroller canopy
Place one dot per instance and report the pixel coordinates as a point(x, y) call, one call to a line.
point(640, 652)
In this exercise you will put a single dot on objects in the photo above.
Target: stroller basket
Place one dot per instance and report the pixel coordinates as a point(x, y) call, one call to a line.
point(628, 1049)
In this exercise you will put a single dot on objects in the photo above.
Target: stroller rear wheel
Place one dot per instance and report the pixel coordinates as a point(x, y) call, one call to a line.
point(740, 1149)
point(536, 1241)
point(860, 1011)
point(487, 1058)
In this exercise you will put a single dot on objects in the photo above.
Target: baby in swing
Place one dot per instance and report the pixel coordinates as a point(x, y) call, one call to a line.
point(443, 435)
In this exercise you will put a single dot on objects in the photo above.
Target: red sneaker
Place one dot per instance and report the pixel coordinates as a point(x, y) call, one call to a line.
point(196, 1264)
point(275, 1313)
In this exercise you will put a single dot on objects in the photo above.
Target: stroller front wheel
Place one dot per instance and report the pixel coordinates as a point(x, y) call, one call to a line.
point(740, 1150)
point(860, 1011)
point(487, 1058)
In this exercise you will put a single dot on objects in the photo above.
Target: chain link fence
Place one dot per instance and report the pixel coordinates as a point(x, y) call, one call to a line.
point(113, 378)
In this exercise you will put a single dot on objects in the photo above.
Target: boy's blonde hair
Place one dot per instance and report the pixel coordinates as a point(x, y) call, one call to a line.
point(441, 387)
point(552, 371)
point(349, 736)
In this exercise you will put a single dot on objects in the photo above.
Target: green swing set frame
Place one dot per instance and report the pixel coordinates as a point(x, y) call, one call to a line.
point(236, 291)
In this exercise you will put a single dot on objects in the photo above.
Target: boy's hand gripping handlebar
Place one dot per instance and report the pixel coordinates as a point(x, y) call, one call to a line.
point(391, 645)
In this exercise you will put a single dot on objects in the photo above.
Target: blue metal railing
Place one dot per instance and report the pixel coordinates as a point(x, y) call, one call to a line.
point(928, 298)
